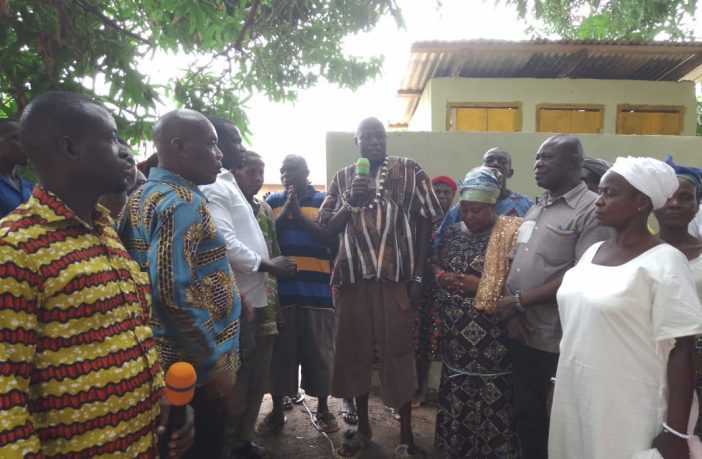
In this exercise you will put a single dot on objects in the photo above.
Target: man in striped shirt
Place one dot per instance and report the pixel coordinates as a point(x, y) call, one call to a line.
point(79, 374)
point(307, 337)
point(384, 221)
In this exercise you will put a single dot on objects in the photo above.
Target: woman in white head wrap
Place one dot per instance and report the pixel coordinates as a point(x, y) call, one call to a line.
point(629, 311)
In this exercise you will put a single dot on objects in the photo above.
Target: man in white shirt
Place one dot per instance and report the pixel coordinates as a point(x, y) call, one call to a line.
point(248, 255)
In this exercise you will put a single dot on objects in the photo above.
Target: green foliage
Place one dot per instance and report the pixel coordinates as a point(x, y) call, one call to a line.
point(232, 49)
point(608, 19)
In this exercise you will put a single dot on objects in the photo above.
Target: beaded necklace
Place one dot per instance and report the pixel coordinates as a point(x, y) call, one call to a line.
point(380, 181)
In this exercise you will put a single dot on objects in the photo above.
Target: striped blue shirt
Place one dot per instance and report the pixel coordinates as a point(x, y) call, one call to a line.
point(310, 286)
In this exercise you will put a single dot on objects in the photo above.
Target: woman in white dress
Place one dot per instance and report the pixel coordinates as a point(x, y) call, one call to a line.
point(673, 219)
point(629, 311)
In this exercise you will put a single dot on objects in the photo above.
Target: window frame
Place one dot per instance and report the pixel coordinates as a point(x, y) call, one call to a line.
point(647, 108)
point(571, 107)
point(452, 106)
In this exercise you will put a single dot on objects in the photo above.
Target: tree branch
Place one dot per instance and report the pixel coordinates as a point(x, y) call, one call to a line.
point(248, 23)
point(111, 23)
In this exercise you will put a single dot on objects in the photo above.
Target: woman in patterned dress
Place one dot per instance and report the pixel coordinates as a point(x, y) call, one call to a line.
point(475, 417)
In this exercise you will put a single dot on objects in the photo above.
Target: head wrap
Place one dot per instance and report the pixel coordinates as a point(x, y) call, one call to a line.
point(446, 181)
point(691, 174)
point(596, 166)
point(481, 184)
point(650, 176)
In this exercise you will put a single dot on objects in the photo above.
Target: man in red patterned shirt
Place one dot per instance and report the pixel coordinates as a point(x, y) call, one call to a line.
point(79, 375)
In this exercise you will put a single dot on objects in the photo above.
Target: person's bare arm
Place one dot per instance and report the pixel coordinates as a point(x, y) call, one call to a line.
point(313, 229)
point(338, 221)
point(507, 306)
point(681, 384)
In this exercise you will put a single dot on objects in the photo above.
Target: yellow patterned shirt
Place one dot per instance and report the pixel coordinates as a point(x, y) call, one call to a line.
point(79, 374)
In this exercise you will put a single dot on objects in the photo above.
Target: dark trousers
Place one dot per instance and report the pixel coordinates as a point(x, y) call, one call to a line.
point(255, 351)
point(533, 370)
point(210, 419)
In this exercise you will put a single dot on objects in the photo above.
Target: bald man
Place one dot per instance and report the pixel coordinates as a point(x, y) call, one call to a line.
point(169, 231)
point(384, 221)
point(555, 234)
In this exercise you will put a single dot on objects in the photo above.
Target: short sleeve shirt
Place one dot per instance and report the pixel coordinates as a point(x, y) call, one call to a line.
point(555, 234)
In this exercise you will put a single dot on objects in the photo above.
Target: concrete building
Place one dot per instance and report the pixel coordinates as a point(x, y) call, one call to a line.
point(457, 99)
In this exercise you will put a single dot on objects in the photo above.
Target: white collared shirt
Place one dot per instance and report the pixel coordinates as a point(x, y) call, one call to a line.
point(246, 245)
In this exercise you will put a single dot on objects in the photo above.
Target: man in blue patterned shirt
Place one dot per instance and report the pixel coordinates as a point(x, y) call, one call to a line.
point(168, 230)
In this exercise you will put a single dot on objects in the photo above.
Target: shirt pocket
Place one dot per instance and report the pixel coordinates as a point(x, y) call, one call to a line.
point(559, 247)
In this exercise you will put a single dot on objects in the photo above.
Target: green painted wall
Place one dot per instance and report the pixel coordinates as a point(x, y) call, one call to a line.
point(431, 110)
point(455, 153)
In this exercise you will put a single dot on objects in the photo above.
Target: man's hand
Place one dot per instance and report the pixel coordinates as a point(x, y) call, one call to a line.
point(359, 190)
point(248, 313)
point(518, 328)
point(670, 446)
point(219, 386)
point(506, 307)
point(283, 267)
point(414, 292)
point(182, 439)
point(292, 205)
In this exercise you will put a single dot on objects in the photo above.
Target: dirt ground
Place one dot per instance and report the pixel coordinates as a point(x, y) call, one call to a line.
point(299, 438)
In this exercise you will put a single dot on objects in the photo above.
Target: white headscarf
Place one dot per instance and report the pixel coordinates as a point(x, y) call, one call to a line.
point(652, 177)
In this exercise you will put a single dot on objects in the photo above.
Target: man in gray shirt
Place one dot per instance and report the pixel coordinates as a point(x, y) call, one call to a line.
point(556, 232)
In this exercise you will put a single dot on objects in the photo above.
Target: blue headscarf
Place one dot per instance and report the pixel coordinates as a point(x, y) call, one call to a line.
point(481, 184)
point(691, 174)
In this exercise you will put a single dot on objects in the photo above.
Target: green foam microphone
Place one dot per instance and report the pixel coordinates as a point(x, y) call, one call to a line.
point(362, 167)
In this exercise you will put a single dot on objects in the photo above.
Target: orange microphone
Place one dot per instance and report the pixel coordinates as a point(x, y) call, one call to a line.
point(180, 388)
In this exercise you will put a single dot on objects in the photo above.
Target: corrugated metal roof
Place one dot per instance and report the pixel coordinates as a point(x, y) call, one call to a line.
point(610, 60)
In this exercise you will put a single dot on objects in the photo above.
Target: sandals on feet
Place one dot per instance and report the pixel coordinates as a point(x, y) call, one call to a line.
point(406, 451)
point(393, 412)
point(350, 416)
point(270, 426)
point(298, 398)
point(287, 403)
point(353, 444)
point(418, 400)
point(326, 422)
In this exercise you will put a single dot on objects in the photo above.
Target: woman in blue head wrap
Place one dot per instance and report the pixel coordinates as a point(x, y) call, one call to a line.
point(674, 219)
point(470, 266)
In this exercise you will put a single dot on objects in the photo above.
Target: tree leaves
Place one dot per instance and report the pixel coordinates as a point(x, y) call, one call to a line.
point(230, 50)
point(608, 19)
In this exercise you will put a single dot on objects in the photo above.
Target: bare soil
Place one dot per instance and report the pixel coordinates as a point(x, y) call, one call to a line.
point(300, 439)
